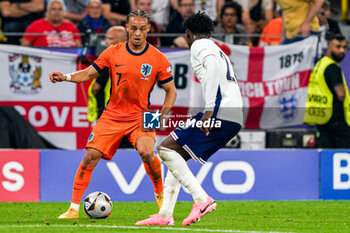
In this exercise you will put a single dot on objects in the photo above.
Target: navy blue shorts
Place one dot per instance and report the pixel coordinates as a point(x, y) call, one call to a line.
point(198, 145)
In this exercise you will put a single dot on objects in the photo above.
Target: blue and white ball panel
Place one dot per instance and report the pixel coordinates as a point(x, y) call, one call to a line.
point(198, 145)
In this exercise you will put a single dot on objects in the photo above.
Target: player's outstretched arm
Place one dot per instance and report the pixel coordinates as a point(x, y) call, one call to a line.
point(76, 77)
point(170, 96)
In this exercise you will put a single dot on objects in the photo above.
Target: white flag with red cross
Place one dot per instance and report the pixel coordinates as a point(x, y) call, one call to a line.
point(273, 82)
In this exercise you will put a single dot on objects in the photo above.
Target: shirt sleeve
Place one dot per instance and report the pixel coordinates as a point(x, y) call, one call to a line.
point(201, 51)
point(103, 77)
point(210, 82)
point(30, 29)
point(165, 74)
point(333, 77)
point(103, 60)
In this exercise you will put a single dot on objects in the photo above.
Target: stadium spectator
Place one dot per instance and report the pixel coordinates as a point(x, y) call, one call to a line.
point(94, 22)
point(56, 32)
point(161, 13)
point(216, 75)
point(146, 5)
point(135, 65)
point(328, 97)
point(272, 33)
point(255, 15)
point(208, 6)
point(327, 25)
point(299, 17)
point(17, 15)
point(230, 24)
point(185, 10)
point(115, 11)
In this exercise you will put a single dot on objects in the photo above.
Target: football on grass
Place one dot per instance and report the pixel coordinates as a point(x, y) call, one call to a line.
point(98, 205)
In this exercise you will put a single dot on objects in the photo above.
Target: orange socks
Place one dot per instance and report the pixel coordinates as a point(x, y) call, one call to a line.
point(154, 172)
point(83, 176)
point(81, 182)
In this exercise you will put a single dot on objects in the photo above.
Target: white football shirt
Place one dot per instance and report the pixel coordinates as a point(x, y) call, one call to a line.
point(220, 89)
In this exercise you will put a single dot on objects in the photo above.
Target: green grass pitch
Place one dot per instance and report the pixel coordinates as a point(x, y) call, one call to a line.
point(230, 216)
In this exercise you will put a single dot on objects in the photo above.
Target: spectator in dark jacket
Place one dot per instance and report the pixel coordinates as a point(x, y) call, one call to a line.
point(185, 10)
point(327, 25)
point(94, 23)
point(115, 11)
point(17, 15)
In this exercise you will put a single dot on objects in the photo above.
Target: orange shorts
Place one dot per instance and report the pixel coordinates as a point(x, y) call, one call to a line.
point(108, 133)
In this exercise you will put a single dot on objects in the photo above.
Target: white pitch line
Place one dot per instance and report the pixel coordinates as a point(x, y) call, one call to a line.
point(137, 227)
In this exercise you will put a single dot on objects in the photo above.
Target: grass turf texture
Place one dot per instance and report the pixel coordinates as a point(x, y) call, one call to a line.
point(230, 216)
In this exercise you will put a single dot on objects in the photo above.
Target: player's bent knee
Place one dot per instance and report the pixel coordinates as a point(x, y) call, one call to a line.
point(146, 155)
point(164, 153)
point(91, 157)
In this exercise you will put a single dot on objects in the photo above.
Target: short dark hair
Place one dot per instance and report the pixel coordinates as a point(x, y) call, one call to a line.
point(235, 6)
point(334, 36)
point(136, 13)
point(199, 23)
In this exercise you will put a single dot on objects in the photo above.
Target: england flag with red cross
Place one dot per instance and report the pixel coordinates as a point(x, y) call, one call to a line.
point(273, 82)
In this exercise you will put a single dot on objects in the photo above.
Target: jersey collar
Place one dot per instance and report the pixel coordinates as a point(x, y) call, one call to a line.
point(136, 54)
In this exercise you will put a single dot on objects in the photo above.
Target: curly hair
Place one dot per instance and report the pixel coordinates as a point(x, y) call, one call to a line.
point(199, 23)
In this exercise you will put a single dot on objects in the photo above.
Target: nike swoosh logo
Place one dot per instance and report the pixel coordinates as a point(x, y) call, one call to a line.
point(117, 65)
point(203, 210)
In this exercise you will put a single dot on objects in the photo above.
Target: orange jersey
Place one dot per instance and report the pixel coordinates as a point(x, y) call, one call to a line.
point(133, 76)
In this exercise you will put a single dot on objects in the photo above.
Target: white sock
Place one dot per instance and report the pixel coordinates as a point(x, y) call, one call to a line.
point(171, 191)
point(179, 168)
point(74, 206)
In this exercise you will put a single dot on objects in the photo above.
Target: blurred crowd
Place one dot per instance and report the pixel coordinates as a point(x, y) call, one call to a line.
point(76, 23)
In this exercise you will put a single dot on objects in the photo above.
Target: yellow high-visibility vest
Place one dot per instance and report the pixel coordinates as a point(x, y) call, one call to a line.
point(319, 102)
point(92, 113)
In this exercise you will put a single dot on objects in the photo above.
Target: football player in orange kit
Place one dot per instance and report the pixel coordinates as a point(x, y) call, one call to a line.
point(135, 67)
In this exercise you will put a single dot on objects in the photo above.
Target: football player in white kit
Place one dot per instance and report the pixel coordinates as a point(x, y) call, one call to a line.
point(223, 106)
